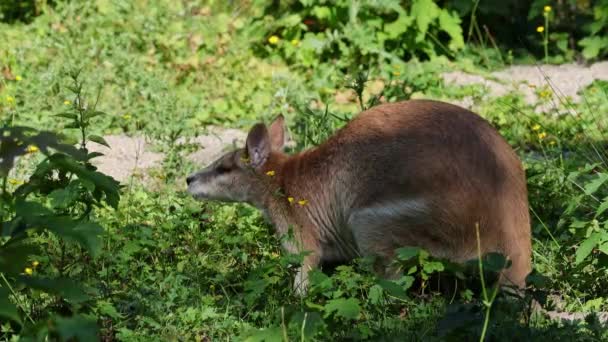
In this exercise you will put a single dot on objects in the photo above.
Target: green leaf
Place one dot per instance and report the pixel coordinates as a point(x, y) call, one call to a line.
point(91, 114)
point(407, 253)
point(593, 46)
point(79, 328)
point(392, 288)
point(595, 184)
point(63, 198)
point(398, 27)
point(94, 155)
point(106, 308)
point(375, 294)
point(495, 262)
point(604, 247)
point(7, 308)
point(450, 23)
point(63, 287)
point(68, 115)
point(586, 247)
point(602, 207)
point(430, 267)
point(425, 11)
point(348, 308)
point(14, 255)
point(269, 335)
point(108, 185)
point(85, 233)
point(311, 322)
point(99, 140)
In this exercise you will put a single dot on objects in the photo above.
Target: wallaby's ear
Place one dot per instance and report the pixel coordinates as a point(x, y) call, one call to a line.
point(277, 133)
point(258, 145)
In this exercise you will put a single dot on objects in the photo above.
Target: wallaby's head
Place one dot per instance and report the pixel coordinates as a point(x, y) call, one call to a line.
point(239, 176)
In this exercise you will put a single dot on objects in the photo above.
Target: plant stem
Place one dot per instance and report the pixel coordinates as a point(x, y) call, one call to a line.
point(546, 38)
point(473, 20)
point(487, 301)
point(16, 297)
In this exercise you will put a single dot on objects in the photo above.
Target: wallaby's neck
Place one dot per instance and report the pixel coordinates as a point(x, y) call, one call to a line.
point(305, 186)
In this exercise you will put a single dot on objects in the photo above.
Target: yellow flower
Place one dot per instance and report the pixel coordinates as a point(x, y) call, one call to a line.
point(28, 271)
point(542, 135)
point(270, 173)
point(274, 40)
point(540, 29)
point(35, 263)
point(290, 199)
point(302, 202)
point(545, 94)
point(14, 181)
point(295, 42)
point(547, 9)
point(18, 78)
point(126, 116)
point(32, 149)
point(67, 102)
point(396, 73)
point(10, 99)
point(552, 142)
point(536, 127)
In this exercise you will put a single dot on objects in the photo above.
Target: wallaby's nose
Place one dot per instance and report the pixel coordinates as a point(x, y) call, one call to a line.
point(189, 179)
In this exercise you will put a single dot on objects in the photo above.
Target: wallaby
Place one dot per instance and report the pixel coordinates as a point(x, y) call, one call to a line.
point(415, 173)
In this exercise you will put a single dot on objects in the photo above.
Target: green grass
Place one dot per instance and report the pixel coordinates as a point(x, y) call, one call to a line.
point(171, 268)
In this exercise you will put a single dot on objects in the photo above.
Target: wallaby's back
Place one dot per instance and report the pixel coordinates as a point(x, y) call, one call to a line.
point(422, 173)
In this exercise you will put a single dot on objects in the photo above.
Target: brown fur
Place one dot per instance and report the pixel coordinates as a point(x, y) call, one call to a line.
point(415, 173)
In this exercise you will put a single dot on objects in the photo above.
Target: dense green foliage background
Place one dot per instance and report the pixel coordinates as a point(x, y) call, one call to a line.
point(82, 257)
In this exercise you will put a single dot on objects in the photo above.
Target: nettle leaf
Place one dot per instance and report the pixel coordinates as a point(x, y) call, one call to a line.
point(63, 287)
point(398, 27)
point(14, 255)
point(91, 114)
point(407, 253)
point(63, 198)
point(8, 310)
point(85, 233)
point(68, 115)
point(595, 184)
point(392, 288)
point(267, 334)
point(99, 140)
point(108, 185)
point(495, 262)
point(348, 308)
point(78, 328)
point(450, 23)
point(593, 46)
point(586, 247)
point(375, 294)
point(604, 247)
point(603, 206)
point(425, 11)
point(429, 267)
point(311, 323)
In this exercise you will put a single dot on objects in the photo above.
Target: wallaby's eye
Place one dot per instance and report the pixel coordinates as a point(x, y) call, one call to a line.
point(222, 169)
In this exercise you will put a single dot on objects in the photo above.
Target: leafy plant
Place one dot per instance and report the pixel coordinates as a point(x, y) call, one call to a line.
point(58, 198)
point(354, 33)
